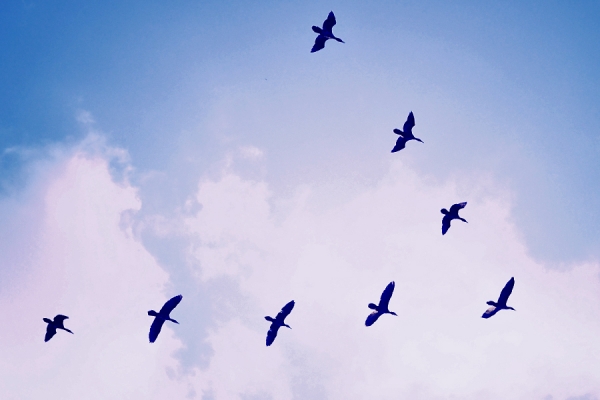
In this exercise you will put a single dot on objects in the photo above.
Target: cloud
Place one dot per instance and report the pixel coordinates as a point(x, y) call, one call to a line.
point(335, 259)
point(78, 257)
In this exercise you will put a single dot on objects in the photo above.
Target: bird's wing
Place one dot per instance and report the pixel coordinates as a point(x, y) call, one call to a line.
point(455, 207)
point(171, 304)
point(285, 311)
point(272, 334)
point(329, 23)
point(399, 144)
point(410, 123)
point(490, 312)
point(319, 43)
point(59, 319)
point(155, 329)
point(506, 291)
point(445, 224)
point(50, 331)
point(386, 295)
point(372, 318)
point(398, 132)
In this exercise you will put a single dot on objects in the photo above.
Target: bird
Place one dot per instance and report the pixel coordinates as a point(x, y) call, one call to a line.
point(325, 34)
point(406, 135)
point(278, 322)
point(54, 325)
point(501, 304)
point(450, 215)
point(162, 316)
point(382, 308)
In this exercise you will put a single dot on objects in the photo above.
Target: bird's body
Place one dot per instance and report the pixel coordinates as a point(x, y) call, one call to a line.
point(501, 303)
point(325, 33)
point(58, 323)
point(405, 135)
point(162, 316)
point(450, 215)
point(278, 322)
point(382, 308)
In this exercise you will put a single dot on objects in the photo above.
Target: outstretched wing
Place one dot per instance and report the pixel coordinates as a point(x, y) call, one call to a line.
point(170, 305)
point(445, 224)
point(386, 295)
point(50, 331)
point(319, 43)
point(399, 144)
point(372, 318)
point(508, 288)
point(410, 122)
point(285, 311)
point(329, 23)
point(272, 334)
point(155, 329)
point(59, 319)
point(456, 207)
point(490, 312)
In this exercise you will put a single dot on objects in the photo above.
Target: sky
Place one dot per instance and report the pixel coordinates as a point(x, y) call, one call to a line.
point(198, 148)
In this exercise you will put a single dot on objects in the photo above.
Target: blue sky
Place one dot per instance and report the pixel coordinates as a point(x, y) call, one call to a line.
point(190, 103)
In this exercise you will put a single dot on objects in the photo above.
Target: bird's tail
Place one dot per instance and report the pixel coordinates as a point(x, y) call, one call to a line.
point(316, 29)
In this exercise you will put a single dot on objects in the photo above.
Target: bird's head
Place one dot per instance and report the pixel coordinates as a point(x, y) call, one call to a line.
point(419, 140)
point(510, 308)
point(152, 313)
point(393, 313)
point(287, 326)
point(444, 211)
point(172, 320)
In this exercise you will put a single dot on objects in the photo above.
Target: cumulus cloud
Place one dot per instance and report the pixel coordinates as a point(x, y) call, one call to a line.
point(77, 256)
point(335, 260)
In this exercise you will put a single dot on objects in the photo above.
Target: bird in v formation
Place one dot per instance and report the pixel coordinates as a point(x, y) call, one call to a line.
point(325, 33)
point(278, 322)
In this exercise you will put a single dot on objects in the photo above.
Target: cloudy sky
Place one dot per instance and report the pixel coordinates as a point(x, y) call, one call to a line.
point(149, 149)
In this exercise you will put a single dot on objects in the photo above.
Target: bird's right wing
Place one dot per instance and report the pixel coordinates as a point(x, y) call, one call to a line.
point(410, 123)
point(171, 304)
point(490, 312)
point(272, 334)
point(329, 23)
point(399, 144)
point(285, 311)
point(59, 319)
point(319, 43)
point(50, 331)
point(508, 288)
point(445, 224)
point(387, 295)
point(456, 207)
point(372, 318)
point(155, 329)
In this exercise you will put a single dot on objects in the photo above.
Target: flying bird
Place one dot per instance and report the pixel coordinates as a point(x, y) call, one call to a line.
point(278, 322)
point(162, 316)
point(54, 325)
point(406, 135)
point(501, 304)
point(382, 308)
point(325, 34)
point(450, 215)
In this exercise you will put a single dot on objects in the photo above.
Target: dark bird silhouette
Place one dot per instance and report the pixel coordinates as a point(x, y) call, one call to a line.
point(325, 34)
point(501, 304)
point(382, 308)
point(162, 316)
point(278, 322)
point(406, 135)
point(54, 325)
point(450, 215)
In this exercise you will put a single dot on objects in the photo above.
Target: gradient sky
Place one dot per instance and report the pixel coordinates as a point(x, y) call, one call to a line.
point(150, 149)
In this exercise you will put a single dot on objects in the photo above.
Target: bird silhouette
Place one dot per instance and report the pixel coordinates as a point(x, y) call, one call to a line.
point(406, 135)
point(278, 322)
point(325, 34)
point(450, 215)
point(501, 304)
point(54, 325)
point(382, 308)
point(162, 316)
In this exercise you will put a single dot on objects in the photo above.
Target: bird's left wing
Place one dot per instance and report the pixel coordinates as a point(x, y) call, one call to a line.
point(490, 312)
point(445, 224)
point(155, 329)
point(400, 143)
point(329, 23)
point(508, 288)
point(272, 334)
point(410, 123)
point(171, 304)
point(319, 43)
point(50, 331)
point(374, 316)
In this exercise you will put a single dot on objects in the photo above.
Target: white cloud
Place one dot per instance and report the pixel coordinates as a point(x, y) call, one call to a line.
point(335, 261)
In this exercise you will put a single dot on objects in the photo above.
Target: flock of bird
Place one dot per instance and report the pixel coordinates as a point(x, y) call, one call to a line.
point(325, 33)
